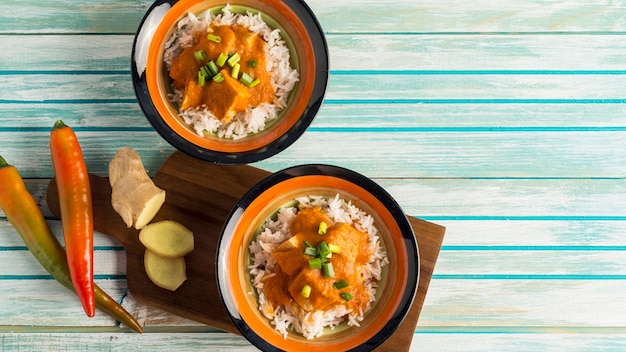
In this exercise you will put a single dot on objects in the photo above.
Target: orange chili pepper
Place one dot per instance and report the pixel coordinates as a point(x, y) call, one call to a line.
point(23, 213)
point(76, 210)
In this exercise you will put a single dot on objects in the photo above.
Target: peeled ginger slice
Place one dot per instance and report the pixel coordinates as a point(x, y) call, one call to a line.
point(167, 238)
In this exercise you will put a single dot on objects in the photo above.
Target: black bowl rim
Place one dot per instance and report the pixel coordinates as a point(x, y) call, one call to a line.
point(354, 177)
point(320, 48)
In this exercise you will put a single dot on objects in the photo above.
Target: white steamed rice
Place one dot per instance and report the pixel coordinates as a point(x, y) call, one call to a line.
point(254, 119)
point(262, 265)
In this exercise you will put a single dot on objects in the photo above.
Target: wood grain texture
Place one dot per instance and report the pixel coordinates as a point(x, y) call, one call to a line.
point(503, 121)
point(414, 52)
point(438, 154)
point(365, 16)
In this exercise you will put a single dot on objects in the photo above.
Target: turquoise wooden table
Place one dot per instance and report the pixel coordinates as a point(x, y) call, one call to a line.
point(504, 121)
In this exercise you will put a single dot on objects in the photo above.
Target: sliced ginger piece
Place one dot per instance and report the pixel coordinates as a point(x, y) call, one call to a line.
point(134, 196)
point(167, 238)
point(167, 273)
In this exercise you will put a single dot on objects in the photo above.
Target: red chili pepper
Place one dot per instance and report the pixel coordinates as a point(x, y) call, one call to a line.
point(22, 211)
point(76, 210)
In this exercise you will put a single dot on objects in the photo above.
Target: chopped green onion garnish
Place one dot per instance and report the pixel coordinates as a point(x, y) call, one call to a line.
point(312, 251)
point(252, 63)
point(201, 78)
point(315, 263)
point(333, 248)
point(235, 72)
point(306, 291)
point(233, 59)
point(323, 249)
point(246, 79)
point(218, 78)
point(221, 60)
point(212, 67)
point(346, 296)
point(214, 38)
point(340, 284)
point(322, 228)
point(328, 270)
point(199, 55)
point(254, 83)
point(307, 244)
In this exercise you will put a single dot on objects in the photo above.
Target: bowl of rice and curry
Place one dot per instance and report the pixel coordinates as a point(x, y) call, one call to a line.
point(230, 83)
point(317, 258)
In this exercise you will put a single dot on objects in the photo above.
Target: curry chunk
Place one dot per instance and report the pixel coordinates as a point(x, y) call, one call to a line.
point(308, 221)
point(277, 288)
point(323, 294)
point(185, 67)
point(349, 240)
point(227, 98)
point(290, 254)
point(193, 96)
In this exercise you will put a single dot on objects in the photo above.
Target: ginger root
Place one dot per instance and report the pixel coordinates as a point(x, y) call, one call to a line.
point(134, 196)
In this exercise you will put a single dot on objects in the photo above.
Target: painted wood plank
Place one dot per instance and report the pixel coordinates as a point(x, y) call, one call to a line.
point(111, 341)
point(194, 341)
point(410, 154)
point(480, 154)
point(348, 89)
point(467, 52)
point(396, 117)
point(20, 264)
point(365, 16)
point(515, 263)
point(502, 304)
point(521, 234)
point(85, 115)
point(525, 340)
point(460, 304)
point(38, 88)
point(518, 199)
point(432, 117)
point(11, 241)
point(47, 303)
point(92, 52)
point(98, 150)
point(354, 52)
point(464, 88)
point(471, 16)
point(67, 16)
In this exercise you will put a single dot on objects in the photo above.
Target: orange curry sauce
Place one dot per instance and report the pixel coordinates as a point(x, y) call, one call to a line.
point(293, 272)
point(229, 97)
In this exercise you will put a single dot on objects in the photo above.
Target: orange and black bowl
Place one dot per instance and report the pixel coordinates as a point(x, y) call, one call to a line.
point(396, 287)
point(308, 51)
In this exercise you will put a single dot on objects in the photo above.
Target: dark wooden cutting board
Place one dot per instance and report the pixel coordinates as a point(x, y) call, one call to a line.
point(200, 195)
